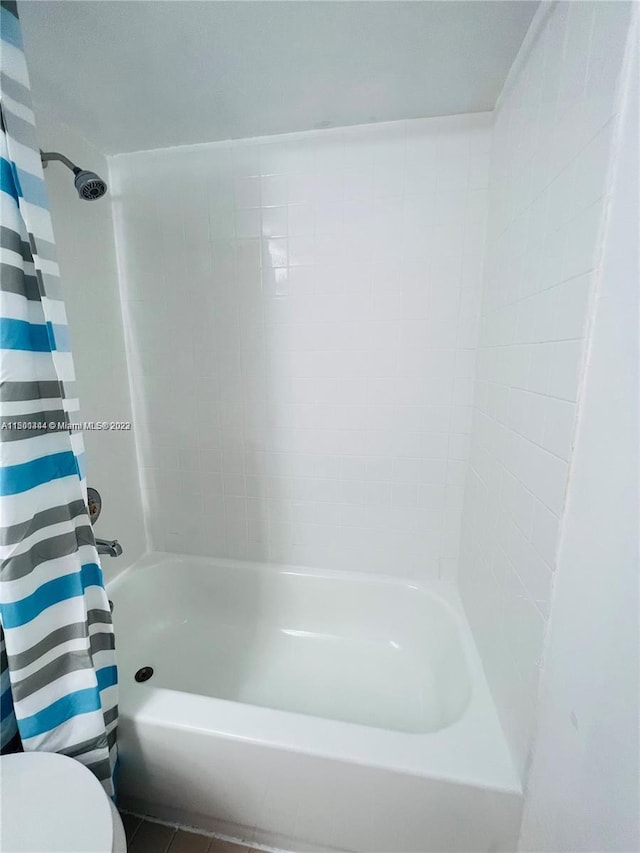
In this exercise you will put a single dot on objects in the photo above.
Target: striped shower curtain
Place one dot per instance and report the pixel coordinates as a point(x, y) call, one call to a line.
point(58, 677)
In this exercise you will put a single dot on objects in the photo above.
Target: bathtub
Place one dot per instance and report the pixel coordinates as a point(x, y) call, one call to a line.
point(308, 710)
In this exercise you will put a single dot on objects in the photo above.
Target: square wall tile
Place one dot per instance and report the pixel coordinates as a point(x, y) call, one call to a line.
point(327, 343)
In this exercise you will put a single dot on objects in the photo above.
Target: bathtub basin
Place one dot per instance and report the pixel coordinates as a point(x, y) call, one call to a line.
point(308, 710)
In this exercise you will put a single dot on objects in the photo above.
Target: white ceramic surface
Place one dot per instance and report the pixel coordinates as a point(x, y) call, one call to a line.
point(549, 191)
point(265, 675)
point(119, 836)
point(583, 789)
point(84, 242)
point(322, 341)
point(52, 803)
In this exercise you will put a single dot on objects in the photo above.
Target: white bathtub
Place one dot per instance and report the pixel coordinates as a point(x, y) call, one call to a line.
point(308, 710)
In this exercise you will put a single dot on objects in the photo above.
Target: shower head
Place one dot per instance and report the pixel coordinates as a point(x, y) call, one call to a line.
point(89, 185)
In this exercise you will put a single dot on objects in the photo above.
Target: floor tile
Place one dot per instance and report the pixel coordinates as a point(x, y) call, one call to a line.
point(131, 824)
point(219, 846)
point(152, 838)
point(189, 842)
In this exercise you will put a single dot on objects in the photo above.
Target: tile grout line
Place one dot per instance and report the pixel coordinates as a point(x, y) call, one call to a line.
point(213, 840)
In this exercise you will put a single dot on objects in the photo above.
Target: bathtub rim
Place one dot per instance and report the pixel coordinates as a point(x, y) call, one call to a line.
point(454, 754)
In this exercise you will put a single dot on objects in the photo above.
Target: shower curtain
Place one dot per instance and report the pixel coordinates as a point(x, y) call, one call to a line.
point(58, 675)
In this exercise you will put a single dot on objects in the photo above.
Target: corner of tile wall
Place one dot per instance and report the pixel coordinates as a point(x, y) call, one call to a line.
point(548, 194)
point(87, 259)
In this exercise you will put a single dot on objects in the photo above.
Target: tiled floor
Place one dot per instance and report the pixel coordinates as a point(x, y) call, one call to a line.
point(146, 837)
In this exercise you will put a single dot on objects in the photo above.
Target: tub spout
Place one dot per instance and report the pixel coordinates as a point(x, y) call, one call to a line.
point(111, 547)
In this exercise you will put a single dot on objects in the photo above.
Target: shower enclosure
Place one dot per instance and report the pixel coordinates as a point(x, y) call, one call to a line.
point(356, 359)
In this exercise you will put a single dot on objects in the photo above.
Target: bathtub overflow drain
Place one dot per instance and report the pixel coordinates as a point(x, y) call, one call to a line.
point(144, 674)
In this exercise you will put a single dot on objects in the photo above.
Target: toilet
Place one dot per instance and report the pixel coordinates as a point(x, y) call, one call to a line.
point(53, 803)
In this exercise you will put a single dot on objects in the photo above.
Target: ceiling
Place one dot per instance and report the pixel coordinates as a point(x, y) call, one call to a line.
point(132, 75)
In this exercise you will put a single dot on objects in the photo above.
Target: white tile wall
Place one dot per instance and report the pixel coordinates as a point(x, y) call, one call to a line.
point(583, 788)
point(551, 147)
point(302, 320)
point(87, 257)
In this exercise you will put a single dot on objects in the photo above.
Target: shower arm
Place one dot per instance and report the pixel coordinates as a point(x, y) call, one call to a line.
point(46, 156)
